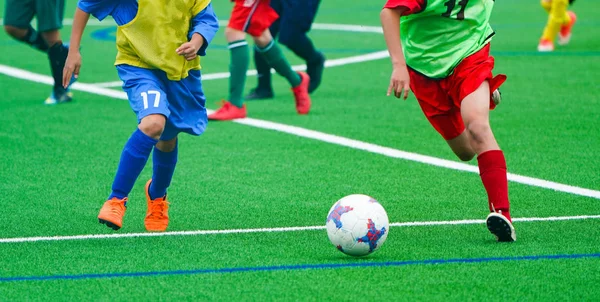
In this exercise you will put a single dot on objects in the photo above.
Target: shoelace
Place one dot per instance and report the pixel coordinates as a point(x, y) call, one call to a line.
point(117, 205)
point(157, 209)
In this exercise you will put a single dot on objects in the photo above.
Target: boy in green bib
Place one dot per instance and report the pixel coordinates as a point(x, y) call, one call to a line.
point(440, 50)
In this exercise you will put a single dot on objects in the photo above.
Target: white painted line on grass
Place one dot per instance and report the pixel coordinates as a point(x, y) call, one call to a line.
point(328, 138)
point(274, 230)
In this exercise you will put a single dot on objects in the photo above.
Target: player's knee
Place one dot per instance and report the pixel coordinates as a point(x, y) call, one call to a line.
point(479, 131)
point(153, 125)
point(264, 39)
point(15, 32)
point(232, 34)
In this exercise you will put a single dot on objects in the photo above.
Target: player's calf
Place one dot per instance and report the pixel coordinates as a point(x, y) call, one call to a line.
point(461, 146)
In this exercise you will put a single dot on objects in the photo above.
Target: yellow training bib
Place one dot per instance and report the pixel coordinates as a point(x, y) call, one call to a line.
point(151, 38)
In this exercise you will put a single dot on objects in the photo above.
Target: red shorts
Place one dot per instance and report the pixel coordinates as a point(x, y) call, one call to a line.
point(440, 99)
point(252, 16)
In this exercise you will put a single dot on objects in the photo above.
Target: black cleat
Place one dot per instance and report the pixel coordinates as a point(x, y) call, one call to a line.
point(260, 94)
point(500, 227)
point(315, 72)
point(109, 224)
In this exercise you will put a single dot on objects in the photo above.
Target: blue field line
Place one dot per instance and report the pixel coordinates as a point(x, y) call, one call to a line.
point(296, 267)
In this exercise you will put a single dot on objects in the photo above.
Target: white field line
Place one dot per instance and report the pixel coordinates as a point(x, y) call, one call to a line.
point(329, 63)
point(275, 230)
point(328, 138)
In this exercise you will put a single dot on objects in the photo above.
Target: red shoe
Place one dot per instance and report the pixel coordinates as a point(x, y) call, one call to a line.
point(228, 112)
point(564, 36)
point(545, 46)
point(301, 94)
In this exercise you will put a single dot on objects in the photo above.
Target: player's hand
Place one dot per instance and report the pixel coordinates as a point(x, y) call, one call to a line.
point(189, 50)
point(399, 82)
point(72, 66)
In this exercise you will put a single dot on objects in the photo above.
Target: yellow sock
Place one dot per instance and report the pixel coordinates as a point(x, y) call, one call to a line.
point(558, 17)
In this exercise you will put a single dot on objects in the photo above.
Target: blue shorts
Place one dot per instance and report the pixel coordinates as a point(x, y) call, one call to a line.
point(181, 102)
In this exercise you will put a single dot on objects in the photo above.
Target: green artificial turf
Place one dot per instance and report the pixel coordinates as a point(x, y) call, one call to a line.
point(58, 163)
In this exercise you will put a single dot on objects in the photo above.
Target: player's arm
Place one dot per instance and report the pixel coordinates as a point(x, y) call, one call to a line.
point(204, 28)
point(390, 21)
point(73, 63)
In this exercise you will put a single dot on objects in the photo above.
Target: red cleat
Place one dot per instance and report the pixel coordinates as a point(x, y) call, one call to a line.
point(228, 112)
point(545, 46)
point(301, 94)
point(564, 36)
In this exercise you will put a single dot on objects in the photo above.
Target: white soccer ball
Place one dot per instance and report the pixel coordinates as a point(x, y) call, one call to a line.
point(357, 225)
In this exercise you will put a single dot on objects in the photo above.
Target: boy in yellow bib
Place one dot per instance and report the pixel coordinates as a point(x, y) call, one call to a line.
point(560, 22)
point(159, 43)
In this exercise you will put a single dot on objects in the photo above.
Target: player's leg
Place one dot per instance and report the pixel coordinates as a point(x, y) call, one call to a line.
point(17, 18)
point(264, 89)
point(238, 65)
point(299, 81)
point(148, 100)
point(188, 114)
point(164, 160)
point(492, 165)
point(50, 14)
point(296, 20)
point(240, 22)
point(558, 19)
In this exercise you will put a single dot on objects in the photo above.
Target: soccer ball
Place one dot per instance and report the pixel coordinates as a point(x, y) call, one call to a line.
point(357, 225)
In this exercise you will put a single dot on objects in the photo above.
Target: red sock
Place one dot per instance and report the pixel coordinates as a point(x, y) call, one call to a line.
point(492, 169)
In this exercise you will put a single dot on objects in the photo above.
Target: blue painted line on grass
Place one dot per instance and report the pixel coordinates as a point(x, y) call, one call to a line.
point(296, 267)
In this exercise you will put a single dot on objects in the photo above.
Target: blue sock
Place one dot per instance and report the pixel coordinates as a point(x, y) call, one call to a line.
point(133, 159)
point(163, 165)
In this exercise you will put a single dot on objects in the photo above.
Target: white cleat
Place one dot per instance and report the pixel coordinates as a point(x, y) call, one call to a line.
point(545, 46)
point(564, 40)
point(500, 227)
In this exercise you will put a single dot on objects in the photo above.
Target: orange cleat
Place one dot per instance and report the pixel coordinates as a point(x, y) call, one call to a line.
point(301, 94)
point(228, 112)
point(157, 215)
point(112, 212)
point(564, 36)
point(545, 46)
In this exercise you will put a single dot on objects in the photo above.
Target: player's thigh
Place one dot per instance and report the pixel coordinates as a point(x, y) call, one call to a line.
point(252, 16)
point(187, 105)
point(470, 74)
point(435, 103)
point(49, 14)
point(297, 16)
point(145, 91)
point(19, 13)
point(476, 106)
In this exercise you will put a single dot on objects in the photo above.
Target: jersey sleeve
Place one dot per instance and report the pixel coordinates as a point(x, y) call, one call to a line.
point(98, 8)
point(205, 24)
point(413, 6)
